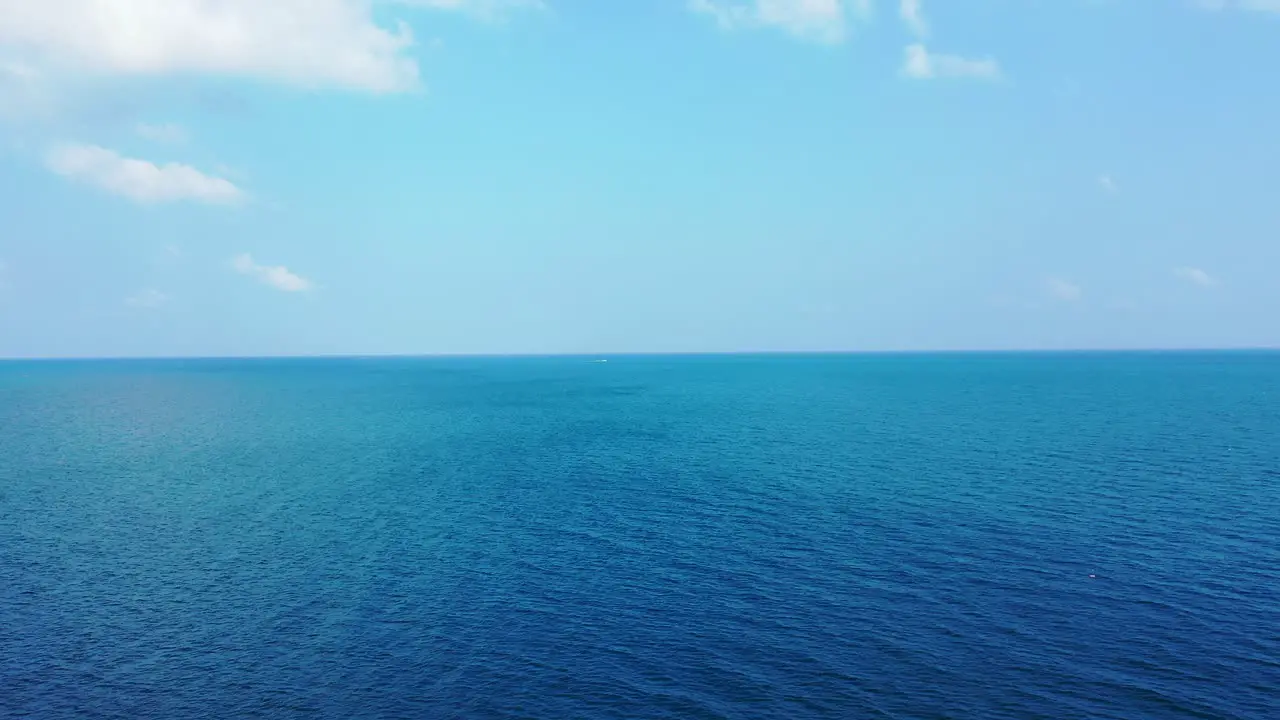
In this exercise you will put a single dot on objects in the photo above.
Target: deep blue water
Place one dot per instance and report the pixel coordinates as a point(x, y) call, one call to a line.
point(999, 536)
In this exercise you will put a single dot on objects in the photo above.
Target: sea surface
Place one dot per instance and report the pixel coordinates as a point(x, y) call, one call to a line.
point(952, 536)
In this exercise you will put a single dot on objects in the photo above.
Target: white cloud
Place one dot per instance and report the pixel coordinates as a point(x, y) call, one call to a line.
point(315, 43)
point(1108, 184)
point(149, 298)
point(921, 64)
point(822, 21)
point(913, 15)
point(1196, 276)
point(140, 180)
point(1063, 290)
point(165, 133)
point(277, 276)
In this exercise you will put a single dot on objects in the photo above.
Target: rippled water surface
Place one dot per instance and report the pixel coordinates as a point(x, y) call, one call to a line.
point(1040, 536)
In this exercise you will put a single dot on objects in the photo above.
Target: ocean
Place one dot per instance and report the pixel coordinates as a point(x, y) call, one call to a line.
point(905, 537)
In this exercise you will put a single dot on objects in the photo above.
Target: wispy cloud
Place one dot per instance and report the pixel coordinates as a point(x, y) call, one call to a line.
point(23, 89)
point(1108, 184)
point(823, 21)
point(921, 64)
point(314, 43)
point(164, 133)
point(140, 180)
point(150, 298)
point(18, 70)
point(167, 257)
point(1063, 290)
point(1195, 276)
point(912, 15)
point(277, 276)
point(1260, 6)
point(483, 9)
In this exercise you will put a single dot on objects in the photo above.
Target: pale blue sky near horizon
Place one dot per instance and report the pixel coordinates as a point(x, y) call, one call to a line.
point(232, 178)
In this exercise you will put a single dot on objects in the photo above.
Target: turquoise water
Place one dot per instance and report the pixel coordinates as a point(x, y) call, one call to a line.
point(968, 536)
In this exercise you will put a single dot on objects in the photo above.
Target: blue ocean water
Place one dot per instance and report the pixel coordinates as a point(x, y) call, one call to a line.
point(966, 536)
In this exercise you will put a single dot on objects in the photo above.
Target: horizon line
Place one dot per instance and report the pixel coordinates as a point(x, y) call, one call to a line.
point(647, 354)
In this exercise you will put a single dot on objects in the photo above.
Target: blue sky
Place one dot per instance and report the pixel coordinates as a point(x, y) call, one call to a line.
point(232, 177)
